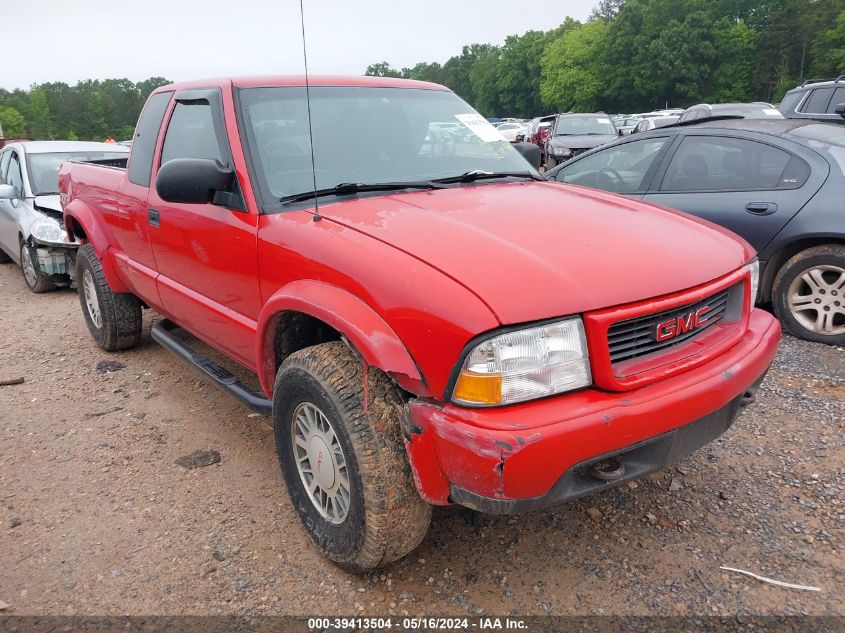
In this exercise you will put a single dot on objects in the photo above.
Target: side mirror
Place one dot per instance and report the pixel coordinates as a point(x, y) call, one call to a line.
point(193, 180)
point(840, 110)
point(7, 192)
point(530, 152)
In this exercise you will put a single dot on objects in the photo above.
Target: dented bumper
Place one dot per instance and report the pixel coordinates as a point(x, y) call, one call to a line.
point(532, 455)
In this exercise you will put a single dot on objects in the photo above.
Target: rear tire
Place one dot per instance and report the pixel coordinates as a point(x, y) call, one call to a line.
point(35, 280)
point(808, 294)
point(366, 511)
point(113, 318)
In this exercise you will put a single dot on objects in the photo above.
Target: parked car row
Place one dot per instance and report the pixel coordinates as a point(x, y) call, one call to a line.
point(32, 232)
point(777, 183)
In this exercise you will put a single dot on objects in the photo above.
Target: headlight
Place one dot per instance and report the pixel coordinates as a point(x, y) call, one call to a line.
point(562, 151)
point(47, 230)
point(753, 269)
point(525, 364)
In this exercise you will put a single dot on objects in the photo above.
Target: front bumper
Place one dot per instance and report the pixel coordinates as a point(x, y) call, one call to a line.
point(536, 454)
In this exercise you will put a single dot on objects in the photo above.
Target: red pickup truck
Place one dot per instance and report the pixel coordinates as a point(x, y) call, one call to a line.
point(431, 322)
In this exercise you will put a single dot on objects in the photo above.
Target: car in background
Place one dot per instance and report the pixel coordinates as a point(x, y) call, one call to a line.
point(511, 130)
point(536, 131)
point(758, 110)
point(32, 232)
point(777, 183)
point(654, 122)
point(626, 125)
point(656, 113)
point(573, 134)
point(815, 99)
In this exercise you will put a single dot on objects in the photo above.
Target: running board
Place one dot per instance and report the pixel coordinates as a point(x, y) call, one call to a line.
point(163, 333)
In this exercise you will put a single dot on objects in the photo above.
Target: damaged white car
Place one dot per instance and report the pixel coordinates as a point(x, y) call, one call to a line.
point(32, 232)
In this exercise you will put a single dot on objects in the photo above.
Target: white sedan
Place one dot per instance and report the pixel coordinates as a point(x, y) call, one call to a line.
point(511, 130)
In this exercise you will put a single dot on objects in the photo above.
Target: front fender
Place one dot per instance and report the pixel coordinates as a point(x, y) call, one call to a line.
point(363, 328)
point(79, 215)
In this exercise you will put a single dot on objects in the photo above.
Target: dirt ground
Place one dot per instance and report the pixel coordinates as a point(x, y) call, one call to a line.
point(97, 518)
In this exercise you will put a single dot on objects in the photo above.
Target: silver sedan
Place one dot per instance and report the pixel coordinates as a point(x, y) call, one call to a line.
point(32, 232)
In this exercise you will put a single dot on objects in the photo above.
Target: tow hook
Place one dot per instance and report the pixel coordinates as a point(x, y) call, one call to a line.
point(609, 469)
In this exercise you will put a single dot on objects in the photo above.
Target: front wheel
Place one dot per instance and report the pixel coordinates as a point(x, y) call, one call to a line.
point(343, 458)
point(809, 294)
point(35, 280)
point(113, 318)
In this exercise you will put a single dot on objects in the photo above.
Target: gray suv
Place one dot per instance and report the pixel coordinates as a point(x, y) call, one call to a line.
point(816, 99)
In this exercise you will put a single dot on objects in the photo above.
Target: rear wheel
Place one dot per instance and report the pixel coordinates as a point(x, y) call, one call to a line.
point(343, 458)
point(35, 280)
point(113, 318)
point(809, 294)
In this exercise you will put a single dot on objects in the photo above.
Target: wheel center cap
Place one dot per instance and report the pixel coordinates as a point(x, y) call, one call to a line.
point(322, 464)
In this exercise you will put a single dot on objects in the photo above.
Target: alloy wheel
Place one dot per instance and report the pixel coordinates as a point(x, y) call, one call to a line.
point(89, 290)
point(816, 299)
point(28, 266)
point(320, 462)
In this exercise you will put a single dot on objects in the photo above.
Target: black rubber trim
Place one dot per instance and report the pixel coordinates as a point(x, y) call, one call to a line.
point(162, 333)
point(638, 460)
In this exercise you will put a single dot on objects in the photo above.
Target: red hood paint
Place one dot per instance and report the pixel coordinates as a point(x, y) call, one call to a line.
point(533, 250)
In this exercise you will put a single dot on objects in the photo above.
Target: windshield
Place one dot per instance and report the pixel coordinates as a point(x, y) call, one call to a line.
point(366, 135)
point(44, 168)
point(584, 125)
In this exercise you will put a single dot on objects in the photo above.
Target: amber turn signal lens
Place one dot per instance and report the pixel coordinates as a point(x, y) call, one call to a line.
point(476, 388)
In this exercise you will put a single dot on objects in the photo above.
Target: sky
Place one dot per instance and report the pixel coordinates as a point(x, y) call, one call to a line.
point(191, 39)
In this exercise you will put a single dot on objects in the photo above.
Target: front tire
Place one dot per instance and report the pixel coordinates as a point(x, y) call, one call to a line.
point(113, 318)
point(809, 294)
point(35, 280)
point(343, 458)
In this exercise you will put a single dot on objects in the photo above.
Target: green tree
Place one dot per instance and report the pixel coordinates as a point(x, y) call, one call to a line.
point(572, 71)
point(12, 122)
point(733, 79)
point(38, 115)
point(829, 50)
point(518, 74)
point(483, 78)
point(382, 69)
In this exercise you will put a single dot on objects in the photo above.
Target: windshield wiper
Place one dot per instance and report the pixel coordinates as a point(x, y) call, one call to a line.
point(479, 174)
point(352, 188)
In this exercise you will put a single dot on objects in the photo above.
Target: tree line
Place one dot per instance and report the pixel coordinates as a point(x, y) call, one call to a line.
point(91, 110)
point(637, 55)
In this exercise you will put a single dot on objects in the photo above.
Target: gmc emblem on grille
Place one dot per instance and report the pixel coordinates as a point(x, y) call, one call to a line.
point(682, 324)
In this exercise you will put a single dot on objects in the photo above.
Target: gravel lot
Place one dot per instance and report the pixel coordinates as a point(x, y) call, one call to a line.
point(97, 518)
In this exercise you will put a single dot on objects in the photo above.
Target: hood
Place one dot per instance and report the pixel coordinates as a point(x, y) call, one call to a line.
point(586, 141)
point(536, 250)
point(49, 205)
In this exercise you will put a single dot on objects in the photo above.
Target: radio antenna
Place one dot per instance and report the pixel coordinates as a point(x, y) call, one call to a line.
point(317, 216)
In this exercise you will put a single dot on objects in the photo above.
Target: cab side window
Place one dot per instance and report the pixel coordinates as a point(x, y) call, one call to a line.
point(190, 134)
point(14, 176)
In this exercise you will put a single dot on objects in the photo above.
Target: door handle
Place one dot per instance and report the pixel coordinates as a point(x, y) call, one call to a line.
point(154, 217)
point(761, 208)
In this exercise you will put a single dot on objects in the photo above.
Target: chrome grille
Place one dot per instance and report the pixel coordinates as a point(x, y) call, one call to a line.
point(638, 337)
